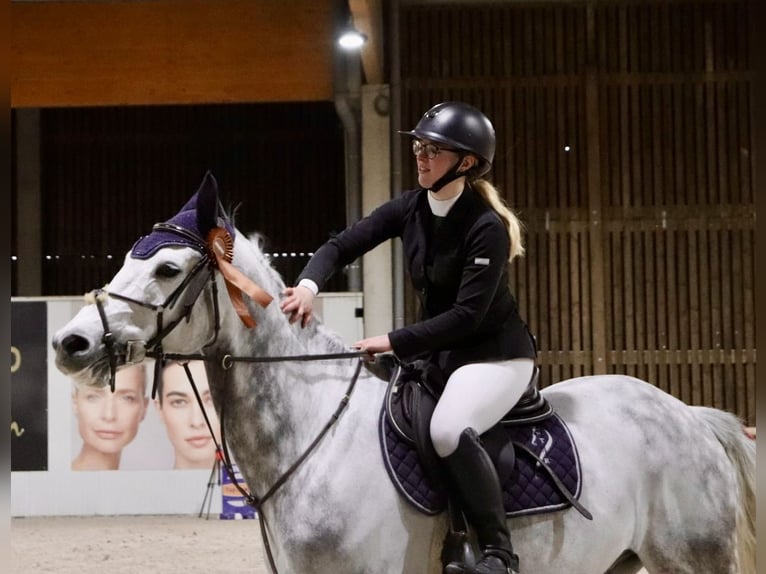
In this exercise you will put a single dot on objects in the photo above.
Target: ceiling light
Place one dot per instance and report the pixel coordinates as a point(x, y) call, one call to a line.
point(351, 39)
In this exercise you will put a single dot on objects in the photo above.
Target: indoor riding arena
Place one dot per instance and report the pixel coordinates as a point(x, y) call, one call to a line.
point(623, 140)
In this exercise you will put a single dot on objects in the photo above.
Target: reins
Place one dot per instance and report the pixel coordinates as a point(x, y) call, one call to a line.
point(222, 451)
point(228, 360)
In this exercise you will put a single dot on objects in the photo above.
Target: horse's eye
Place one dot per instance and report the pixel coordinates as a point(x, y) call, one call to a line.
point(167, 271)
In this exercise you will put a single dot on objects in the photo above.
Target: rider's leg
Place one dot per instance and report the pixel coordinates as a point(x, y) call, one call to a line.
point(474, 400)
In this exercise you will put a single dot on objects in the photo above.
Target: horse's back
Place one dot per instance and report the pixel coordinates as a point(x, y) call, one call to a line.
point(624, 417)
point(651, 467)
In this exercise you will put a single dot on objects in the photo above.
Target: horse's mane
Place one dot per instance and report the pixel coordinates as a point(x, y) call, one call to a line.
point(318, 336)
point(258, 240)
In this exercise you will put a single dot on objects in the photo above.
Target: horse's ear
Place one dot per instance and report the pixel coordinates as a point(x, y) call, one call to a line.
point(198, 216)
point(207, 204)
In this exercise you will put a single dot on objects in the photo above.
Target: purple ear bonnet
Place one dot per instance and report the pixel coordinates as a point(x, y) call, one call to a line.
point(195, 220)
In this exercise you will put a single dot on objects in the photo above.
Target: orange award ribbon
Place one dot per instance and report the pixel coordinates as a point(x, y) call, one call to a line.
point(221, 246)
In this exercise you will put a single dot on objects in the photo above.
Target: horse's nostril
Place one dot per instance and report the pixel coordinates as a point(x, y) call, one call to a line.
point(73, 344)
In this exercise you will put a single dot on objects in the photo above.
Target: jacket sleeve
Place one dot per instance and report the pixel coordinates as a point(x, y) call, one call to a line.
point(382, 223)
point(486, 258)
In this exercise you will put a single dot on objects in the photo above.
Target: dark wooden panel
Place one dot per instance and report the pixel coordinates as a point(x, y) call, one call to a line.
point(14, 210)
point(170, 51)
point(108, 174)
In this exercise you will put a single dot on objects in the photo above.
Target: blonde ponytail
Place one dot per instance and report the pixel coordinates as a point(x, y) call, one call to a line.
point(514, 225)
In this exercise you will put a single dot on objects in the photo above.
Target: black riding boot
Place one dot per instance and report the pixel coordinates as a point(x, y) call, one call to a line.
point(474, 475)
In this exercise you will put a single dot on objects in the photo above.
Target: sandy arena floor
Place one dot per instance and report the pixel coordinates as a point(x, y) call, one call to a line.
point(136, 545)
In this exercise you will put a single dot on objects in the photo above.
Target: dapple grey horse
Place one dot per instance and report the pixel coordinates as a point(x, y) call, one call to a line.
point(670, 486)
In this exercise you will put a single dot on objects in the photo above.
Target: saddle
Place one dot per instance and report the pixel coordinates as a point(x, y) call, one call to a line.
point(409, 382)
point(531, 447)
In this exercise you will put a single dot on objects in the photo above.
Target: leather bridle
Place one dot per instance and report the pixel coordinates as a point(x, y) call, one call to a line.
point(186, 295)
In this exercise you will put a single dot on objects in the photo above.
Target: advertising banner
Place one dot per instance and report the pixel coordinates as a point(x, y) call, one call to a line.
point(124, 430)
point(128, 430)
point(29, 386)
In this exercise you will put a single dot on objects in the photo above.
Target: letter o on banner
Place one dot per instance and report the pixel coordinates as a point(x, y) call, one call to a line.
point(15, 359)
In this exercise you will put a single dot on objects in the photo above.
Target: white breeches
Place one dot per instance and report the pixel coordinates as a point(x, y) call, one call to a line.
point(477, 396)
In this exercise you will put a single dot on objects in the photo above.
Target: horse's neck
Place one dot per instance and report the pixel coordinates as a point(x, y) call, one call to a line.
point(275, 409)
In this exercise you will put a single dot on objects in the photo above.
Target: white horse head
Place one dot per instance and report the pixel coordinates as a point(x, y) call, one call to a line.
point(165, 293)
point(670, 487)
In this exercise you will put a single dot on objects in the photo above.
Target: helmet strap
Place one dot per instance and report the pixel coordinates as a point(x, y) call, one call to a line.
point(451, 175)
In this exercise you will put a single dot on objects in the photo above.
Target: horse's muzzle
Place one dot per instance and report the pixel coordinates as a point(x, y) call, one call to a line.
point(75, 352)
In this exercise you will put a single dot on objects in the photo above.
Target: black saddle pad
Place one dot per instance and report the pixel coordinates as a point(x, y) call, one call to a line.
point(528, 490)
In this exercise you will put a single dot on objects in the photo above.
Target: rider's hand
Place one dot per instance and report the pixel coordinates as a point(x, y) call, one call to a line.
point(297, 303)
point(373, 345)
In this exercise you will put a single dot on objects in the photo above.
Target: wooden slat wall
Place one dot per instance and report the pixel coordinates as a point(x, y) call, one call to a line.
point(675, 133)
point(624, 144)
point(108, 174)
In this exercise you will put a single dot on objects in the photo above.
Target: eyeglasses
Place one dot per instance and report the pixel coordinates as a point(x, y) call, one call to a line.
point(427, 149)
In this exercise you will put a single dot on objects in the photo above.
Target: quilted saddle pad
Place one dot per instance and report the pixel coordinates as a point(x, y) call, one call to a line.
point(530, 489)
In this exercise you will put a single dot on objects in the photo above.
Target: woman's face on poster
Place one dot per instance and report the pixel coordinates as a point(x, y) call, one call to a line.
point(107, 420)
point(183, 417)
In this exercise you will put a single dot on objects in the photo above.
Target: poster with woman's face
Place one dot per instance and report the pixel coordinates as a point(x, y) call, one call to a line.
point(108, 421)
point(126, 429)
point(186, 420)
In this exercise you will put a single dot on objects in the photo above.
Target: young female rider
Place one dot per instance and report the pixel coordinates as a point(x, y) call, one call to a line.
point(458, 238)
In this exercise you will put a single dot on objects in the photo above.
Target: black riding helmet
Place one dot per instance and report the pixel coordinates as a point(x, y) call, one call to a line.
point(462, 127)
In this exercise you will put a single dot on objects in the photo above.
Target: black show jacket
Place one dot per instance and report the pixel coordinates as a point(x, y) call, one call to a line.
point(460, 272)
